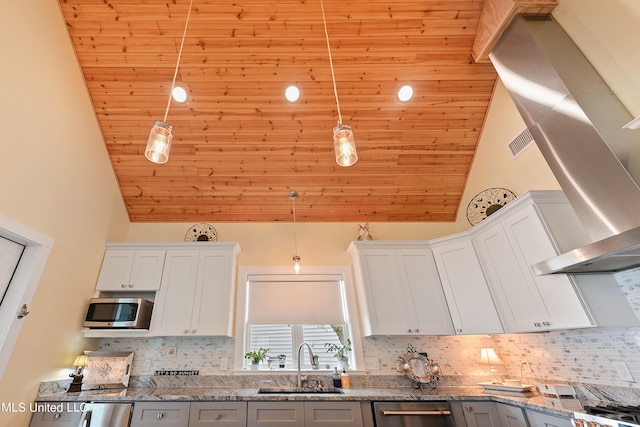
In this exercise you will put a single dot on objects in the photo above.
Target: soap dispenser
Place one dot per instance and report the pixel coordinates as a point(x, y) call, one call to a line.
point(337, 381)
point(344, 377)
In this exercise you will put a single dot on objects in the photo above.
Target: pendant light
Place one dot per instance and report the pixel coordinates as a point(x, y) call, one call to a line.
point(344, 144)
point(159, 142)
point(293, 196)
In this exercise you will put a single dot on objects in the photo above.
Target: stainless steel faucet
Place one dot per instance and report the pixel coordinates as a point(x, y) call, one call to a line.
point(311, 359)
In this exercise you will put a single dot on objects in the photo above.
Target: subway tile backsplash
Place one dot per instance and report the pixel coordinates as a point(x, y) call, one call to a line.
point(587, 356)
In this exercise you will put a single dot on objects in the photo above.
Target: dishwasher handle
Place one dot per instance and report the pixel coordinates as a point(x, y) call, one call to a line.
point(85, 421)
point(415, 412)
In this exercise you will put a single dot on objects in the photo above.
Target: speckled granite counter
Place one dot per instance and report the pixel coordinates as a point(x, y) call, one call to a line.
point(195, 391)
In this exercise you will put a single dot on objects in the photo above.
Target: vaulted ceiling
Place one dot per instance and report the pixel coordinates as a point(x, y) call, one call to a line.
point(240, 147)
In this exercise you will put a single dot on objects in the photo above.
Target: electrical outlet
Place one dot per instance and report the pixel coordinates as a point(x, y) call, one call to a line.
point(172, 351)
point(623, 371)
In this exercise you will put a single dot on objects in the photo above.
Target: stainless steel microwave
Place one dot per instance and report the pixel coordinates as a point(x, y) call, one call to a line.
point(107, 313)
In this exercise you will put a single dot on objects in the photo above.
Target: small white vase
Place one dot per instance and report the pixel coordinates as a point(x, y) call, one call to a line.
point(343, 363)
point(254, 366)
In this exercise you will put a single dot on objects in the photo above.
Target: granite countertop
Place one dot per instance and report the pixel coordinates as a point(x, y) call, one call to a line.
point(208, 393)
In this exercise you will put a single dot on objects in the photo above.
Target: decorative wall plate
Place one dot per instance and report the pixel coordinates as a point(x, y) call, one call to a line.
point(487, 202)
point(201, 233)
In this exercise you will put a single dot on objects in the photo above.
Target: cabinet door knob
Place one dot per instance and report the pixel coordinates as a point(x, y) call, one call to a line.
point(546, 323)
point(131, 285)
point(56, 416)
point(123, 285)
point(217, 416)
point(193, 331)
point(537, 324)
point(160, 415)
point(417, 330)
point(409, 330)
point(186, 331)
point(459, 330)
point(469, 408)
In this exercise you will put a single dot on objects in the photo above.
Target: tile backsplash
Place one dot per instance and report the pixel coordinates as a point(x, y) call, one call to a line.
point(591, 356)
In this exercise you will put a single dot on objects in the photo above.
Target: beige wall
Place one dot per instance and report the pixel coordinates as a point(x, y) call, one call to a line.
point(62, 185)
point(55, 179)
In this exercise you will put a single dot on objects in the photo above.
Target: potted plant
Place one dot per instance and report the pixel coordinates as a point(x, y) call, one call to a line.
point(340, 352)
point(282, 360)
point(256, 357)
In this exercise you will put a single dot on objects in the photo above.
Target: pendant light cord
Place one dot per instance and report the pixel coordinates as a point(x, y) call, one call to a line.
point(175, 73)
point(295, 237)
point(333, 77)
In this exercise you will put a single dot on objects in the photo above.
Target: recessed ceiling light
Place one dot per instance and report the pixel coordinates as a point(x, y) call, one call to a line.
point(179, 94)
point(292, 93)
point(405, 93)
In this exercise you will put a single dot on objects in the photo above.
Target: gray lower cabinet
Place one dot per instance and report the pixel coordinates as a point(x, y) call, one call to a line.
point(261, 414)
point(160, 414)
point(305, 414)
point(481, 414)
point(228, 414)
point(59, 416)
point(539, 419)
point(511, 416)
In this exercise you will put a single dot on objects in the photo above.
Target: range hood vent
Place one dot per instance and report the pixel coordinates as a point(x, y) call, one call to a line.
point(576, 121)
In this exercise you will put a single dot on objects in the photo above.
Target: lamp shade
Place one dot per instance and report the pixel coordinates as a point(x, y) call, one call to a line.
point(344, 145)
point(488, 356)
point(159, 142)
point(81, 360)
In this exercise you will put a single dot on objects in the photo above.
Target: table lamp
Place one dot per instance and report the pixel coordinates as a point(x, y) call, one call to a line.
point(79, 363)
point(489, 357)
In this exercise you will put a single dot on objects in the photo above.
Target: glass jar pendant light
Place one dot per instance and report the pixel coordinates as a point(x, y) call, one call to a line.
point(344, 144)
point(161, 135)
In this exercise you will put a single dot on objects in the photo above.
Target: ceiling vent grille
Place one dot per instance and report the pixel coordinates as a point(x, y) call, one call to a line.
point(520, 143)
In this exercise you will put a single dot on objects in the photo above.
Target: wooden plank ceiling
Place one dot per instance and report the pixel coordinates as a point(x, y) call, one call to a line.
point(240, 147)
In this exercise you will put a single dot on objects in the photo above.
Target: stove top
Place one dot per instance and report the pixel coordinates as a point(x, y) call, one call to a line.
point(612, 414)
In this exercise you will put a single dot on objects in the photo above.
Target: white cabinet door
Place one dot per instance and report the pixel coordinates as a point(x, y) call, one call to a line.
point(131, 270)
point(401, 288)
point(532, 244)
point(526, 302)
point(197, 293)
point(214, 294)
point(174, 302)
point(465, 288)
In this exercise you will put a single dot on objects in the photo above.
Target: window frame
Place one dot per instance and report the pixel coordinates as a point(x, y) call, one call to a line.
point(344, 272)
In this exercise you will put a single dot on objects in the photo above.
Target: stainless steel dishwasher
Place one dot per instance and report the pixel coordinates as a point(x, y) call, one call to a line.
point(413, 414)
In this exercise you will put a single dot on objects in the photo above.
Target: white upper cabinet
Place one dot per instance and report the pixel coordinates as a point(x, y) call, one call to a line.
point(399, 287)
point(517, 236)
point(128, 269)
point(468, 297)
point(197, 294)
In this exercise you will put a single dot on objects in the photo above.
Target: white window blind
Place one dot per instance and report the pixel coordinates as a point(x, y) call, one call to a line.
point(295, 302)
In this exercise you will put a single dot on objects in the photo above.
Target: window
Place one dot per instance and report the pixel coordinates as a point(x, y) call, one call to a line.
point(280, 310)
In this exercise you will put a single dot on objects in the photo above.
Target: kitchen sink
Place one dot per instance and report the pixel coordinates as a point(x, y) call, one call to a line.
point(300, 390)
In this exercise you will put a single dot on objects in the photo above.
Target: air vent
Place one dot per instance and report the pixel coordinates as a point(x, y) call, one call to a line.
point(520, 143)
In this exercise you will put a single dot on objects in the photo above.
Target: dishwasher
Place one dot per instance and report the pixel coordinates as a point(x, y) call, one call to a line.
point(106, 415)
point(413, 414)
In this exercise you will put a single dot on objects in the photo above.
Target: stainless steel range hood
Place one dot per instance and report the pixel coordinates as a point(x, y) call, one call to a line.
point(576, 122)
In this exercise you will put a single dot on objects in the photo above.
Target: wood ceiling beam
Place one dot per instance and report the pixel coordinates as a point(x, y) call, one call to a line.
point(496, 17)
